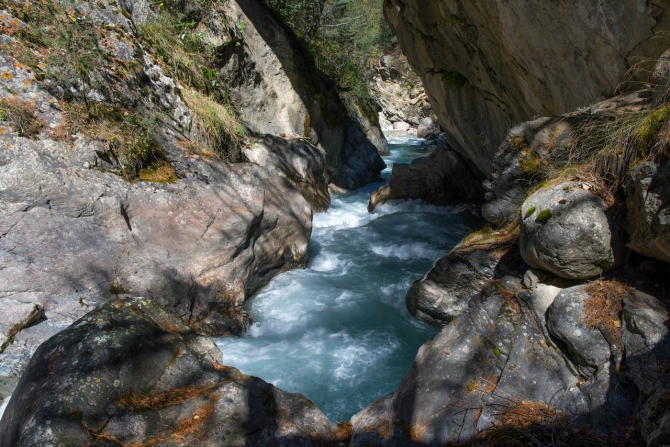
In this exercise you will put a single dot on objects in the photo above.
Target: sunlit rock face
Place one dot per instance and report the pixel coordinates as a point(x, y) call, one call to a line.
point(489, 65)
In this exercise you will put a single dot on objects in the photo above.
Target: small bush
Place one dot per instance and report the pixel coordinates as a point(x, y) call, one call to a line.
point(21, 117)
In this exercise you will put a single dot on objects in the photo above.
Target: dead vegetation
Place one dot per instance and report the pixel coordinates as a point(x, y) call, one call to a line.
point(523, 424)
point(20, 117)
point(344, 432)
point(603, 308)
point(143, 401)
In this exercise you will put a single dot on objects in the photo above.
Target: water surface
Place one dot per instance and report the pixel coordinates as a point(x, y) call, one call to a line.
point(338, 331)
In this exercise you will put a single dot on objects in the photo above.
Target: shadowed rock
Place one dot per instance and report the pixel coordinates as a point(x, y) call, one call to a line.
point(131, 373)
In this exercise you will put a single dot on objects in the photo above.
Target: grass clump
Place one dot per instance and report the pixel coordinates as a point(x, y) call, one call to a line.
point(130, 135)
point(21, 117)
point(215, 126)
point(543, 217)
point(182, 49)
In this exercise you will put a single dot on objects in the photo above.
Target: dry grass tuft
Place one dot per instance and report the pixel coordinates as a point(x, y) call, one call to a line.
point(215, 126)
point(21, 117)
point(525, 423)
point(159, 172)
point(344, 432)
point(603, 307)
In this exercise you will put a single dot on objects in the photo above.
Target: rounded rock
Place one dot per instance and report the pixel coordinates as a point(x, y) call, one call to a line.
point(566, 231)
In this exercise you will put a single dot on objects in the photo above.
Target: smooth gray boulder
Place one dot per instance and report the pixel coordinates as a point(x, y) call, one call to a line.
point(588, 346)
point(133, 374)
point(646, 339)
point(648, 203)
point(444, 292)
point(565, 230)
point(297, 160)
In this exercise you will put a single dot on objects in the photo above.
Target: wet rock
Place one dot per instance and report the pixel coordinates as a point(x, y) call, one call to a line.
point(297, 160)
point(444, 292)
point(565, 230)
point(648, 202)
point(441, 178)
point(132, 373)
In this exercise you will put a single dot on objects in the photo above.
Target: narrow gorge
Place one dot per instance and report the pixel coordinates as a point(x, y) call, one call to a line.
point(334, 223)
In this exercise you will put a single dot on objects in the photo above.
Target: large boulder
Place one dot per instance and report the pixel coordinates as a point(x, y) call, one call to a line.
point(648, 202)
point(489, 65)
point(444, 292)
point(130, 373)
point(297, 160)
point(276, 91)
point(427, 128)
point(441, 178)
point(530, 147)
point(565, 230)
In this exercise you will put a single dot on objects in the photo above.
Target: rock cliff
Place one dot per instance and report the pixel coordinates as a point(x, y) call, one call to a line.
point(489, 65)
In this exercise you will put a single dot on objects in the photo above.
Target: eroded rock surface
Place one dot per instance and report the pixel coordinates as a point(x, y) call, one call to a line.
point(131, 373)
point(297, 160)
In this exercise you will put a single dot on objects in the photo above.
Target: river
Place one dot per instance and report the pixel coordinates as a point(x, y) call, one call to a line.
point(338, 331)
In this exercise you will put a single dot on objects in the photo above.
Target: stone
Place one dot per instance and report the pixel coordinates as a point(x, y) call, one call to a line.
point(648, 203)
point(133, 373)
point(427, 128)
point(528, 146)
point(16, 315)
point(401, 125)
point(646, 340)
point(444, 292)
point(371, 425)
point(531, 60)
point(565, 230)
point(463, 380)
point(587, 346)
point(533, 277)
point(442, 178)
point(297, 160)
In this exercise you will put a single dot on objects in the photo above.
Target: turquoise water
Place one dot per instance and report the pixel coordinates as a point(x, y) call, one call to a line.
point(338, 331)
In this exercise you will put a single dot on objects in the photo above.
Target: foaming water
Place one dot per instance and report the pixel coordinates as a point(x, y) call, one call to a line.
point(338, 331)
